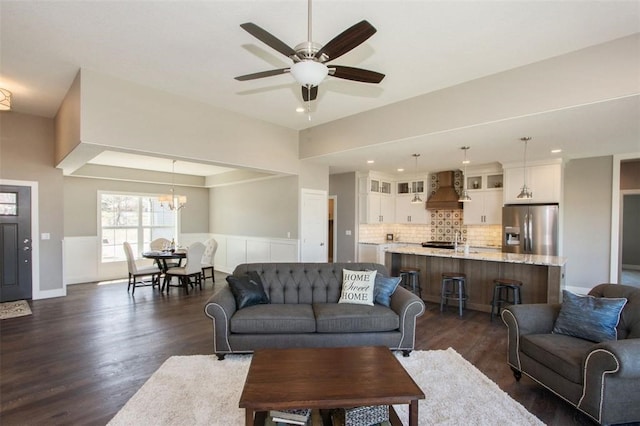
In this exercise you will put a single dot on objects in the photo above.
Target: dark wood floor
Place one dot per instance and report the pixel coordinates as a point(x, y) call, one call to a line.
point(78, 359)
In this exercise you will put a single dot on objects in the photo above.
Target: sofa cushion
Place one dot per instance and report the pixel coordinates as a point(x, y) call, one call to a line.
point(357, 287)
point(558, 352)
point(588, 317)
point(275, 318)
point(247, 289)
point(349, 318)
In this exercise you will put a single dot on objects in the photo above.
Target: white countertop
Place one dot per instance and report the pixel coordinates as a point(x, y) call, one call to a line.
point(531, 259)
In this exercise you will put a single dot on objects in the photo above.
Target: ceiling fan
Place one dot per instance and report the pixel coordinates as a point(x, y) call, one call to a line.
point(309, 59)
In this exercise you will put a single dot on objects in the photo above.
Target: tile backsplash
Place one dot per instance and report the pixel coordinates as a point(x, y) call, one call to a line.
point(442, 227)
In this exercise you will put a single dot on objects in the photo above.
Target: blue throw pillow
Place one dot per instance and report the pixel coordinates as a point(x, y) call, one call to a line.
point(588, 317)
point(383, 288)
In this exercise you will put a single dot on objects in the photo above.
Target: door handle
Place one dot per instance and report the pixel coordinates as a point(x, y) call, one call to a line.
point(26, 248)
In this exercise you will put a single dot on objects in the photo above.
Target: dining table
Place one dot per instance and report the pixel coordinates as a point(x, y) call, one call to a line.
point(162, 256)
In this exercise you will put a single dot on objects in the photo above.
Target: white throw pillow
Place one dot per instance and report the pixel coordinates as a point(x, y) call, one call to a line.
point(357, 287)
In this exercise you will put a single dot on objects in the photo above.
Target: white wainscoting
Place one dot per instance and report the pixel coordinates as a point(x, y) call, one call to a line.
point(80, 259)
point(235, 249)
point(82, 255)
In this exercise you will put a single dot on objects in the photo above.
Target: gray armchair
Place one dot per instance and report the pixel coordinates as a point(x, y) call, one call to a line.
point(600, 379)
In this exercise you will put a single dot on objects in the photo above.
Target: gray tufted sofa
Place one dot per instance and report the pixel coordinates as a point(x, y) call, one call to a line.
point(303, 312)
point(600, 379)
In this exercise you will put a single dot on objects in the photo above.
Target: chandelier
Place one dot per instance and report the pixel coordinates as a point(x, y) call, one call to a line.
point(172, 200)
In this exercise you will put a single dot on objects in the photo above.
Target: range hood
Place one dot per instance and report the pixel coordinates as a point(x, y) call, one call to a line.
point(445, 197)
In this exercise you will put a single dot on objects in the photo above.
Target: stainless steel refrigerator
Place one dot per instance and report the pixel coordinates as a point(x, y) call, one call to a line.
point(530, 229)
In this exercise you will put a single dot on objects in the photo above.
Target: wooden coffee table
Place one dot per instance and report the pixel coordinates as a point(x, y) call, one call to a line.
point(327, 378)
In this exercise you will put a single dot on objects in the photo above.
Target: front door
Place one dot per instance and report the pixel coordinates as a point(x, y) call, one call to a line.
point(15, 243)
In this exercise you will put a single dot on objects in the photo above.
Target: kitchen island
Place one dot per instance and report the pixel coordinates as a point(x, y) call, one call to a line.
point(542, 276)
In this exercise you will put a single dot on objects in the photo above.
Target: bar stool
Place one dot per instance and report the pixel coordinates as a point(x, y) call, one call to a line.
point(505, 291)
point(453, 287)
point(411, 279)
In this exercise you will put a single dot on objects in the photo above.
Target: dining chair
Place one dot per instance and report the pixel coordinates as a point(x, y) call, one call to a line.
point(211, 246)
point(191, 270)
point(160, 244)
point(136, 273)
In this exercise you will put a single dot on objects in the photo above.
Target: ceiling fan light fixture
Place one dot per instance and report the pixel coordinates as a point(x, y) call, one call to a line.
point(309, 73)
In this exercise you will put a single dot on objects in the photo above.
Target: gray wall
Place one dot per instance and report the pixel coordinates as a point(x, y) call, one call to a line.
point(587, 221)
point(267, 208)
point(81, 204)
point(631, 230)
point(27, 153)
point(344, 187)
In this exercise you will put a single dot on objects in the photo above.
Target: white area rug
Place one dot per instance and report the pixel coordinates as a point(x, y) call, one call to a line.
point(18, 308)
point(200, 390)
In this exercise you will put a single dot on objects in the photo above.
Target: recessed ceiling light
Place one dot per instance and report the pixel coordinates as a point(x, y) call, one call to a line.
point(299, 109)
point(555, 151)
point(401, 170)
point(370, 161)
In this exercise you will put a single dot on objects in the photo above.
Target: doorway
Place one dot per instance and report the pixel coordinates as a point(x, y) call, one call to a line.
point(16, 279)
point(332, 228)
point(630, 238)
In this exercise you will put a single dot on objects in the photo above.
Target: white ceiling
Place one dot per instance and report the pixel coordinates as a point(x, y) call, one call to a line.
point(195, 48)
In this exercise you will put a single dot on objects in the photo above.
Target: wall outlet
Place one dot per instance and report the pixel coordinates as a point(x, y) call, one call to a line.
point(288, 234)
point(45, 236)
point(347, 232)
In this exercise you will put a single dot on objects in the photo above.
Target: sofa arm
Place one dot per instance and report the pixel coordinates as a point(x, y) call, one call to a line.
point(531, 319)
point(615, 360)
point(220, 307)
point(408, 306)
point(523, 320)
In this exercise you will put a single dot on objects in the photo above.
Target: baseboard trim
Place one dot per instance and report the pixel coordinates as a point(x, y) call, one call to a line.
point(49, 294)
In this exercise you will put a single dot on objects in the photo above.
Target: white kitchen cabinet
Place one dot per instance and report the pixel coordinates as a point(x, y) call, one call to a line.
point(376, 208)
point(544, 181)
point(376, 203)
point(410, 187)
point(408, 212)
point(485, 207)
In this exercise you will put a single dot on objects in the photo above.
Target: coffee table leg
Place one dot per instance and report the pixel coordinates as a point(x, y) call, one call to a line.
point(254, 417)
point(413, 413)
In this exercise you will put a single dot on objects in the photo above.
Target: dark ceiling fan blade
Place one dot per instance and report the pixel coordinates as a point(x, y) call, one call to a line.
point(261, 74)
point(346, 40)
point(268, 39)
point(309, 93)
point(355, 74)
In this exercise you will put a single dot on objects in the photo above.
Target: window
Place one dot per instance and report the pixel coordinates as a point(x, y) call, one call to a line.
point(8, 204)
point(137, 219)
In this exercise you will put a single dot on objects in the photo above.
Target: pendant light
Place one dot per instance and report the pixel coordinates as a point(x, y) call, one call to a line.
point(465, 195)
point(416, 198)
point(173, 201)
point(525, 192)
